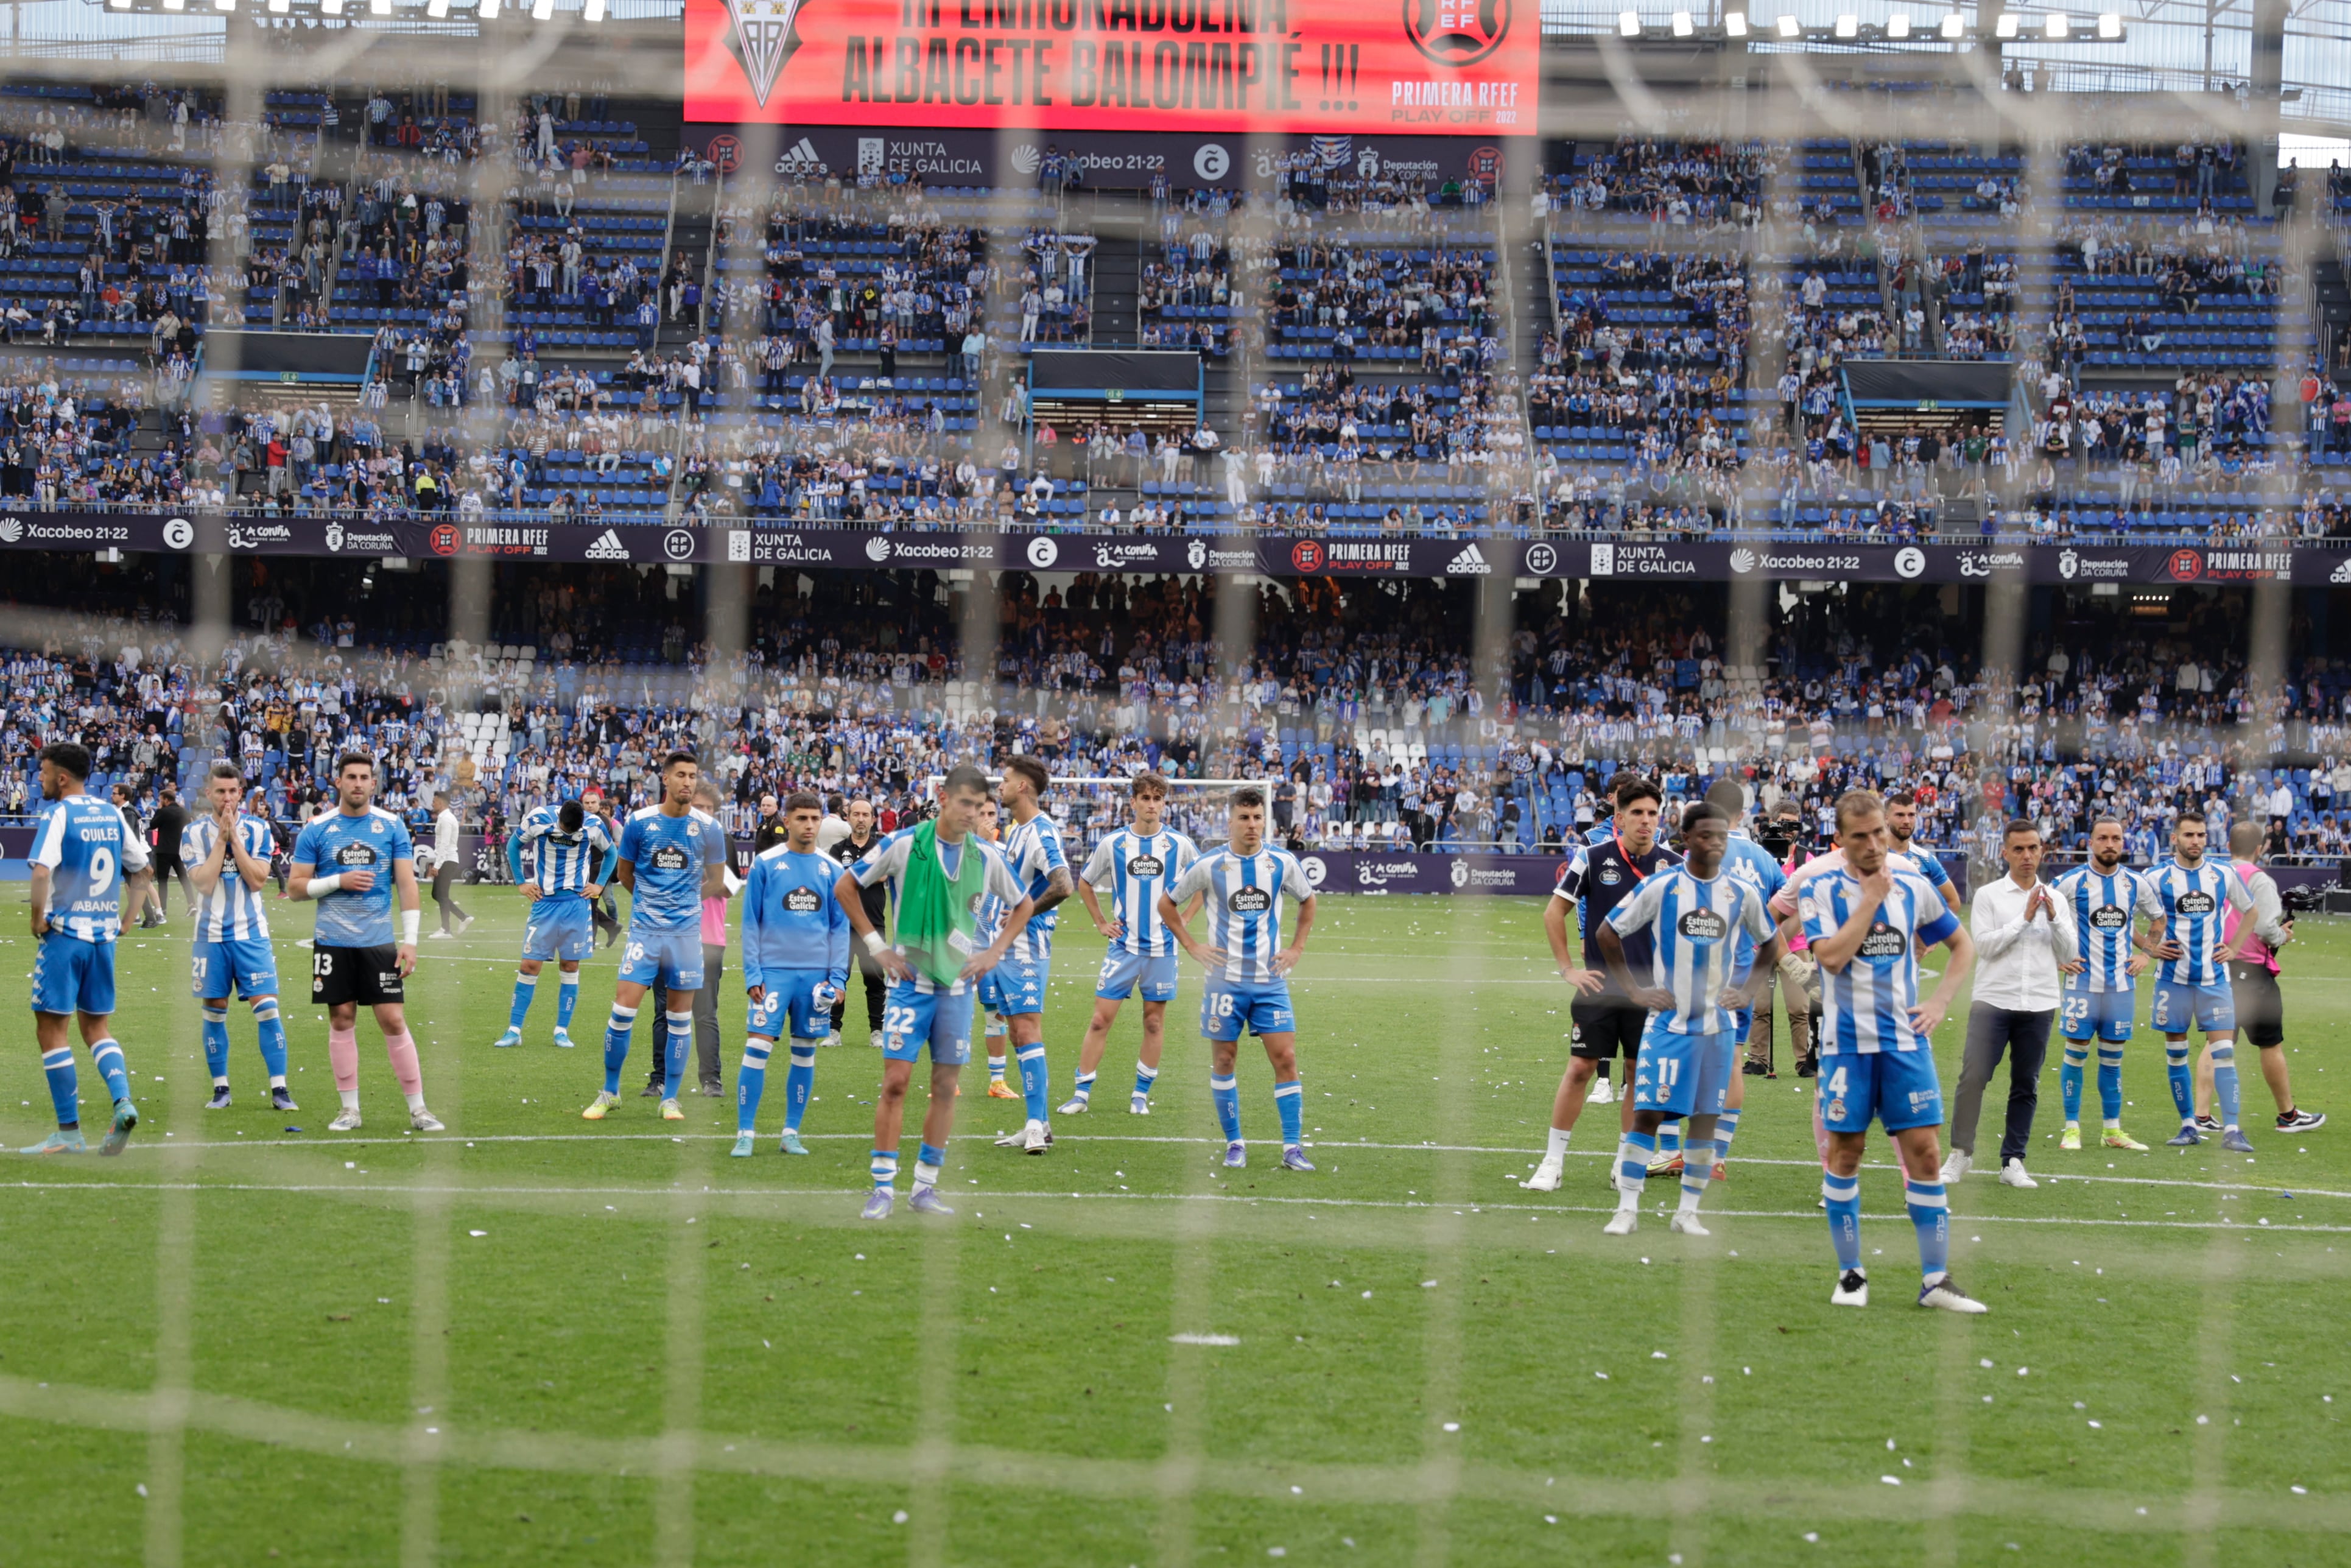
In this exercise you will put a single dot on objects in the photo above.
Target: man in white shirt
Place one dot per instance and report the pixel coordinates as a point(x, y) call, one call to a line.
point(454, 919)
point(2022, 933)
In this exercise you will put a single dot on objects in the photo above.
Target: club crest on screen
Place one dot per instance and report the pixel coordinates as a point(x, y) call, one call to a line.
point(763, 40)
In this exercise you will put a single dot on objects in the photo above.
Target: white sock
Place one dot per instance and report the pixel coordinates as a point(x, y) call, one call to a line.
point(350, 1098)
point(1558, 1147)
point(416, 1104)
point(221, 1082)
point(277, 1081)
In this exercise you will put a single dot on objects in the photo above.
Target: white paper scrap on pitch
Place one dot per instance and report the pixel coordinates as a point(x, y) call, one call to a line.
point(1214, 1339)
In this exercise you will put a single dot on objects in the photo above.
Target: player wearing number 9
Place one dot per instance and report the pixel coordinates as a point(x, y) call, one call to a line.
point(79, 852)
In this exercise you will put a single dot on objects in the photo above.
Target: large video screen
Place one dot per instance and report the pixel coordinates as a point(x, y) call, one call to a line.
point(1420, 67)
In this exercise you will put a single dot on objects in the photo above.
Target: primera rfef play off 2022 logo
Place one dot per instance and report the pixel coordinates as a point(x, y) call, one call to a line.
point(1456, 32)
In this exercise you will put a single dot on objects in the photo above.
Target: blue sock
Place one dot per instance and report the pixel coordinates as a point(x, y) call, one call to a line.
point(107, 1056)
point(2110, 1083)
point(798, 1079)
point(526, 987)
point(1086, 1089)
point(1288, 1098)
point(2183, 1085)
point(1632, 1165)
point(680, 1049)
point(2069, 1078)
point(2224, 1082)
point(884, 1168)
point(1227, 1093)
point(1697, 1169)
point(1931, 1215)
point(1844, 1195)
point(1144, 1077)
point(616, 1045)
point(216, 1042)
point(567, 997)
point(64, 1085)
point(1669, 1137)
point(750, 1083)
point(1033, 1082)
point(1726, 1127)
point(927, 1161)
point(270, 1032)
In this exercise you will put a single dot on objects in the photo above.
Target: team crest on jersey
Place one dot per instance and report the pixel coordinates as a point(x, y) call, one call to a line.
point(1883, 942)
point(2196, 903)
point(1835, 1111)
point(669, 857)
point(1251, 901)
point(2108, 917)
point(375, 825)
point(1145, 866)
point(1703, 925)
point(803, 901)
point(693, 829)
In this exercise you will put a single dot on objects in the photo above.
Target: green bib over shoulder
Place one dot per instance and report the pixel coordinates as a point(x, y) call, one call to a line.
point(937, 912)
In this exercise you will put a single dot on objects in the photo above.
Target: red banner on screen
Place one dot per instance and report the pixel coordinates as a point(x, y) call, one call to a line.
point(1466, 67)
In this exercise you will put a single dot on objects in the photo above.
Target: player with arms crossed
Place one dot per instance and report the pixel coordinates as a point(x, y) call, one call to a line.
point(1604, 871)
point(1700, 980)
point(1015, 988)
point(369, 859)
point(228, 860)
point(2101, 990)
point(1134, 865)
point(672, 856)
point(82, 852)
point(572, 858)
point(1248, 970)
point(938, 872)
point(795, 967)
point(1865, 922)
point(2190, 898)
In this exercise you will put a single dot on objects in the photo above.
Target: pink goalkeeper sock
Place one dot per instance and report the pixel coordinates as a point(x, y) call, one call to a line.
point(402, 1048)
point(343, 1056)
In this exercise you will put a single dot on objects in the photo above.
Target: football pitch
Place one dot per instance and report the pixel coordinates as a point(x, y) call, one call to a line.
point(534, 1339)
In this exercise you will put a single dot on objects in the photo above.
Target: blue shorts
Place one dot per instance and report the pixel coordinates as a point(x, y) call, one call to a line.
point(2180, 1006)
point(912, 1019)
point(670, 958)
point(247, 965)
point(2103, 1015)
point(790, 999)
point(561, 929)
point(1016, 985)
point(70, 976)
point(1896, 1088)
point(1262, 1007)
point(1121, 971)
point(1683, 1074)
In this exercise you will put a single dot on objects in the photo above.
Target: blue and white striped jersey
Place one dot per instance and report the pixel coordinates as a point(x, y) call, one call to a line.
point(669, 853)
point(1033, 849)
point(374, 842)
point(1135, 869)
point(1867, 1007)
point(563, 864)
point(790, 919)
point(232, 912)
point(2106, 905)
point(87, 846)
point(1700, 926)
point(887, 863)
point(1758, 867)
point(1245, 894)
point(2190, 906)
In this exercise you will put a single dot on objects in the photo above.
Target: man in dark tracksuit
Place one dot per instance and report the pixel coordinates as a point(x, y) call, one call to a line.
point(849, 852)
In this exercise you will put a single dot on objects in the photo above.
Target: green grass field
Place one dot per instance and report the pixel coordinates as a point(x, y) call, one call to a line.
point(536, 1339)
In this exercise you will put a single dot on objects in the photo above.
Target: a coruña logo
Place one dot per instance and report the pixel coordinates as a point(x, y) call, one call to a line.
point(763, 40)
point(1456, 32)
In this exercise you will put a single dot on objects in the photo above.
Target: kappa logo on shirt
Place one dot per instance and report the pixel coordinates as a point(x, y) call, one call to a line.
point(803, 901)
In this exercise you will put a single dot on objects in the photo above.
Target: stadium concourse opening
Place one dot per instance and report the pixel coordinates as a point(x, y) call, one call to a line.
point(1077, 740)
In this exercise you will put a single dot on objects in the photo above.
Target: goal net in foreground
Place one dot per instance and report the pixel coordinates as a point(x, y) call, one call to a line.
point(1087, 808)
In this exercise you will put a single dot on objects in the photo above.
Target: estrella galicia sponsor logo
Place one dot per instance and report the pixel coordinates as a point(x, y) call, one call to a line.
point(1250, 901)
point(1703, 925)
point(803, 901)
point(1144, 867)
point(1883, 942)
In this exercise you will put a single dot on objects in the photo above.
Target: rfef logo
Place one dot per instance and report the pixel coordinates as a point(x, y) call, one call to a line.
point(1307, 555)
point(2185, 566)
point(444, 539)
point(1456, 33)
